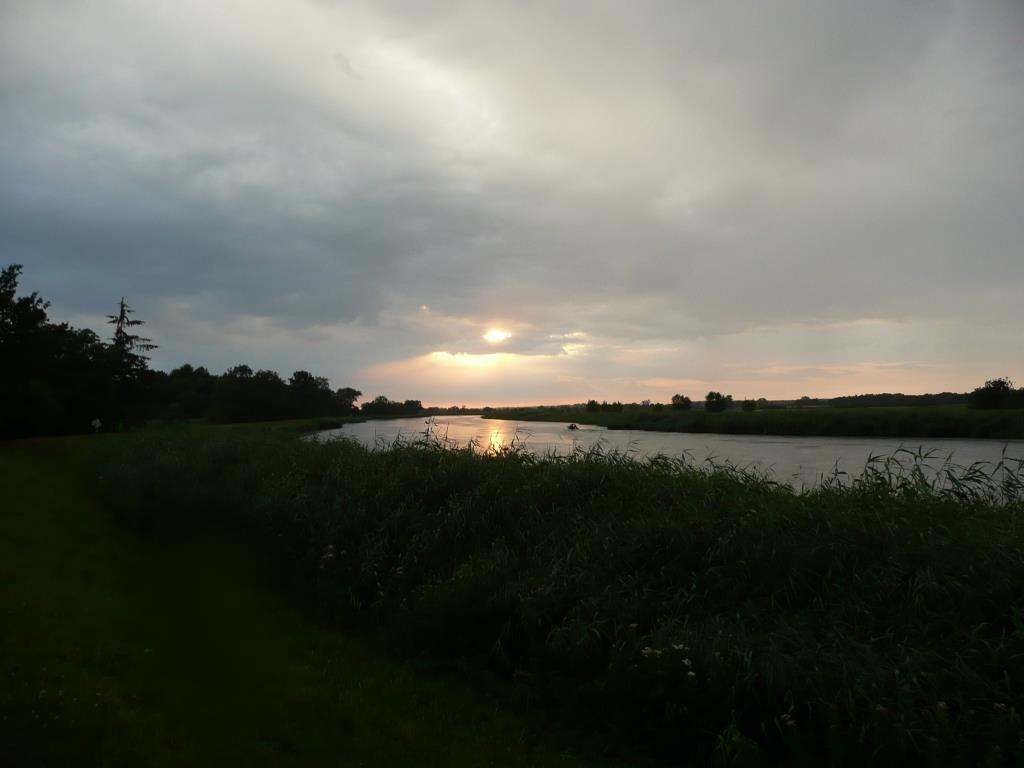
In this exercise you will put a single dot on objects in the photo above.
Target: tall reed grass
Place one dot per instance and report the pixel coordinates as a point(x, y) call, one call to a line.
point(689, 613)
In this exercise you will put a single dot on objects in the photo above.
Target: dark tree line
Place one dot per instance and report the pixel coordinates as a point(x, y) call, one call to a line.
point(58, 379)
point(887, 399)
point(604, 407)
point(996, 393)
point(382, 406)
point(240, 394)
point(53, 378)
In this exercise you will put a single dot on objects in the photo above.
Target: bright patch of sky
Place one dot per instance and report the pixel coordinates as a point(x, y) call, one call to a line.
point(769, 200)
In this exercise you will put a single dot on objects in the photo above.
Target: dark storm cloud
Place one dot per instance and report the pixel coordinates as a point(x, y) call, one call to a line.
point(682, 185)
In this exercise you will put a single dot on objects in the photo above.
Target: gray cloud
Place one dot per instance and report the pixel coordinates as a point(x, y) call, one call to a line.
point(720, 182)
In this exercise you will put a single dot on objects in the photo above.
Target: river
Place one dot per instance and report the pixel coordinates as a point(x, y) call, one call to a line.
point(801, 461)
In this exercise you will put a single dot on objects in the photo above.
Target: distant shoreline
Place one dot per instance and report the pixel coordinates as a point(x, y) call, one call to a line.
point(952, 421)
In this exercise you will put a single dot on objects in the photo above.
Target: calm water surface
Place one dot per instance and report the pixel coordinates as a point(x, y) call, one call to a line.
point(799, 460)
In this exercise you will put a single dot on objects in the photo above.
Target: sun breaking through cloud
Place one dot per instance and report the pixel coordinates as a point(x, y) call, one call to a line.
point(497, 335)
point(775, 200)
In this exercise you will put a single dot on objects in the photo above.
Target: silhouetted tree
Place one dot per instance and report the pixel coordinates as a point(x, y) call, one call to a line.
point(997, 393)
point(681, 403)
point(345, 401)
point(53, 378)
point(716, 401)
point(269, 396)
point(232, 395)
point(129, 345)
point(241, 395)
point(383, 406)
point(18, 316)
point(186, 393)
point(130, 390)
point(309, 395)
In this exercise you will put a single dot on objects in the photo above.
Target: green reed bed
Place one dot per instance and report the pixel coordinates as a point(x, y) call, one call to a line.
point(954, 421)
point(687, 613)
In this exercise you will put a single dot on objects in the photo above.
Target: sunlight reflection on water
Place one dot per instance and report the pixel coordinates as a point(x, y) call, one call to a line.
point(798, 460)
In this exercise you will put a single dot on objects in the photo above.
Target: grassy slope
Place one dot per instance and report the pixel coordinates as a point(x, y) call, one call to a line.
point(175, 650)
point(913, 421)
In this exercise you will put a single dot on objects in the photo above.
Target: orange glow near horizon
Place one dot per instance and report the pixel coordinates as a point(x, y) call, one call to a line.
point(467, 360)
point(497, 379)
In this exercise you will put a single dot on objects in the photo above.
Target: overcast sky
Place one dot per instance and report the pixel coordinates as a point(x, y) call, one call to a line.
point(763, 198)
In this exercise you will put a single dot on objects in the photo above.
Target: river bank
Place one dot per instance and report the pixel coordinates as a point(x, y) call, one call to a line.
point(686, 613)
point(953, 421)
point(128, 647)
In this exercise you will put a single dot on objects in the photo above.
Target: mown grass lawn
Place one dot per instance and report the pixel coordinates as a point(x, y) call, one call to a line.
point(123, 649)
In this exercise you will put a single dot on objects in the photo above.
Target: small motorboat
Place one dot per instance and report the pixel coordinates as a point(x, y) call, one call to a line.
point(573, 426)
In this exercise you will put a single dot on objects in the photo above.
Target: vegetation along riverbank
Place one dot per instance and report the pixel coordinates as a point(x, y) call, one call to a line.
point(954, 421)
point(686, 615)
point(182, 645)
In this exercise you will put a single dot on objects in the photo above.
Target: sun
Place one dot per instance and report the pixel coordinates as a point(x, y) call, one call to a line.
point(497, 335)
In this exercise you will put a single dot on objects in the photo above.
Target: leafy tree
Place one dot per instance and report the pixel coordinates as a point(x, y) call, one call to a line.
point(186, 393)
point(345, 401)
point(233, 396)
point(593, 406)
point(997, 393)
point(681, 403)
point(717, 402)
point(269, 396)
point(749, 405)
point(18, 316)
point(309, 395)
point(53, 378)
point(239, 372)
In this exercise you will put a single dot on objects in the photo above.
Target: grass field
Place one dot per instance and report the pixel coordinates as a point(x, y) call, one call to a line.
point(913, 421)
point(121, 648)
point(686, 615)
